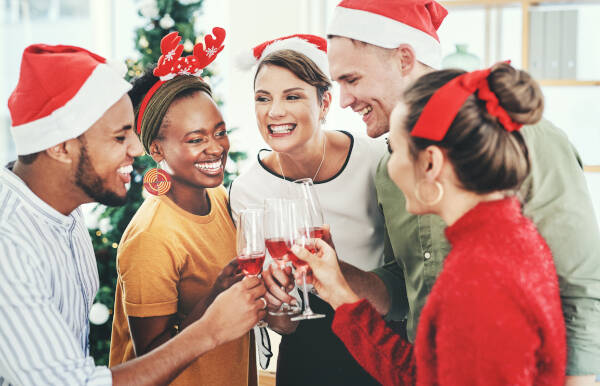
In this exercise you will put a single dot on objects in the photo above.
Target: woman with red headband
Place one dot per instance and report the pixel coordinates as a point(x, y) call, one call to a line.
point(176, 254)
point(493, 316)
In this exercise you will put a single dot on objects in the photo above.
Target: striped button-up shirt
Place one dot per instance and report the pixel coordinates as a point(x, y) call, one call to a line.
point(48, 281)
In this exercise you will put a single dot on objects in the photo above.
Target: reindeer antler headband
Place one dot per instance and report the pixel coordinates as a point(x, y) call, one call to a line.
point(171, 64)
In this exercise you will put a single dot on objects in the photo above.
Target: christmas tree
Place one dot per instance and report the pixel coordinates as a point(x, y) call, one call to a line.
point(163, 16)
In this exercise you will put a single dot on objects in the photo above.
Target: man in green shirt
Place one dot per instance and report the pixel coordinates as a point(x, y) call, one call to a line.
point(374, 54)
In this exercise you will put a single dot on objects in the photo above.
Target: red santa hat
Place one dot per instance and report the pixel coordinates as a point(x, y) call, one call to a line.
point(62, 91)
point(390, 23)
point(312, 46)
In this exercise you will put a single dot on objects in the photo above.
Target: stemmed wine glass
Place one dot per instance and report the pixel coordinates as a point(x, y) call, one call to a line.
point(279, 236)
point(250, 243)
point(309, 225)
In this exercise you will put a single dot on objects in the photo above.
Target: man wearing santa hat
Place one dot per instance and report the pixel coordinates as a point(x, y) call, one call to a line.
point(72, 126)
point(376, 49)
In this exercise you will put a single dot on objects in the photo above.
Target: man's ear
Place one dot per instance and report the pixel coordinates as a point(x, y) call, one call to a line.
point(406, 58)
point(325, 105)
point(156, 151)
point(65, 152)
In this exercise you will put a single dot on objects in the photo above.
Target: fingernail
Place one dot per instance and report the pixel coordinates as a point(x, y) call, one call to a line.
point(294, 302)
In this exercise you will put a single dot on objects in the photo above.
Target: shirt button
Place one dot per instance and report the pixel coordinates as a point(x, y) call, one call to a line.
point(427, 255)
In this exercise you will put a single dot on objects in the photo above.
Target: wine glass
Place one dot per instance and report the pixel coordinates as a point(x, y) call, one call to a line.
point(305, 190)
point(250, 244)
point(279, 237)
point(309, 225)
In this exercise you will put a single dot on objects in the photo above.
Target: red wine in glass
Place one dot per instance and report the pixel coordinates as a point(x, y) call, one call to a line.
point(296, 261)
point(316, 233)
point(251, 265)
point(277, 248)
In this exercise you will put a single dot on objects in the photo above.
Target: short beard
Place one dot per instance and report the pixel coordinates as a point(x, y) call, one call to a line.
point(90, 182)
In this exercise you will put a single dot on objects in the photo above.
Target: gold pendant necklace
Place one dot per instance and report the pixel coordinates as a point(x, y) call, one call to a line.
point(320, 164)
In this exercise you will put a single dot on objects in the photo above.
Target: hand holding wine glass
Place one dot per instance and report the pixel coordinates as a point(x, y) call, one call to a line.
point(279, 237)
point(327, 278)
point(250, 240)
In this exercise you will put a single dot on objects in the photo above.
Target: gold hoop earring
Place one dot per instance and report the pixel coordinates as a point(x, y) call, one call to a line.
point(438, 197)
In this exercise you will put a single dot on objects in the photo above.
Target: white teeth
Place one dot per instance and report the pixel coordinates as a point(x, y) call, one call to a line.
point(125, 169)
point(210, 166)
point(365, 111)
point(281, 129)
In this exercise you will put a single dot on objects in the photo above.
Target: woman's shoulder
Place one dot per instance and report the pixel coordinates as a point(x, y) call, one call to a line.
point(367, 148)
point(146, 217)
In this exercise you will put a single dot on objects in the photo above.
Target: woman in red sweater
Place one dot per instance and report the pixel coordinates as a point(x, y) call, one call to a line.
point(493, 316)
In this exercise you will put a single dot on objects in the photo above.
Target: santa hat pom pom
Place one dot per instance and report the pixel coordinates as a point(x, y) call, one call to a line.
point(245, 60)
point(119, 67)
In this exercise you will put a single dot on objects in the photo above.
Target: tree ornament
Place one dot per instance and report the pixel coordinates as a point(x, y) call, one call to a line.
point(143, 42)
point(188, 46)
point(149, 9)
point(166, 22)
point(99, 314)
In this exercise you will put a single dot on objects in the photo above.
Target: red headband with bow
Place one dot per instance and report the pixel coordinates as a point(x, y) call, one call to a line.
point(444, 105)
point(171, 64)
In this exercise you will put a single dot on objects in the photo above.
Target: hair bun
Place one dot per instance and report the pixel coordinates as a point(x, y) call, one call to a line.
point(517, 92)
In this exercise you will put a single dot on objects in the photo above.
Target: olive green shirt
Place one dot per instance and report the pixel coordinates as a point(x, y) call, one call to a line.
point(556, 198)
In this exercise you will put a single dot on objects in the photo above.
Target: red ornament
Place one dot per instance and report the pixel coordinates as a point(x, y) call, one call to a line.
point(157, 181)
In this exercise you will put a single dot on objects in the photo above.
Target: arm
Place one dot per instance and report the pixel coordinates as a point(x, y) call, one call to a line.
point(384, 354)
point(38, 347)
point(558, 201)
point(231, 315)
point(367, 285)
point(384, 287)
point(150, 332)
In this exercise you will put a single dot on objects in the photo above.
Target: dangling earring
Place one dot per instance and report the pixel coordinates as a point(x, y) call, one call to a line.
point(157, 181)
point(438, 197)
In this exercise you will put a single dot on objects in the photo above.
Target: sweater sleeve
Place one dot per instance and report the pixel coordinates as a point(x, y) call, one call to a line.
point(384, 354)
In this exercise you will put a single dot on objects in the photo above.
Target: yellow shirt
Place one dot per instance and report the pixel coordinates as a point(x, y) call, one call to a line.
point(168, 260)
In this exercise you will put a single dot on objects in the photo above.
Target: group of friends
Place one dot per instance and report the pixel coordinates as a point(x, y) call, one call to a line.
point(466, 252)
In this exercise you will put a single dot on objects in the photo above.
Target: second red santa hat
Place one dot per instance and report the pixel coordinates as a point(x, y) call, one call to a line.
point(312, 46)
point(390, 23)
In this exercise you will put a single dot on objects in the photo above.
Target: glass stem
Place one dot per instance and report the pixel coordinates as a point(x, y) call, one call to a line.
point(307, 310)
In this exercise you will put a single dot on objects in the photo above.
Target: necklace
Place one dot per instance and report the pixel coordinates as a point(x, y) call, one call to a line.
point(318, 169)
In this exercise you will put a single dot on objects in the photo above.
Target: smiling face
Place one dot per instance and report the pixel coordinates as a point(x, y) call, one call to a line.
point(370, 79)
point(106, 155)
point(193, 141)
point(288, 111)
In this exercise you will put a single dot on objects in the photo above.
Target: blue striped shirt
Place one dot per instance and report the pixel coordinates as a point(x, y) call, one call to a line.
point(48, 281)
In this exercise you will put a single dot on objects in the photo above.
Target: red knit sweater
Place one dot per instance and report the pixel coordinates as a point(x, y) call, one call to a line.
point(493, 316)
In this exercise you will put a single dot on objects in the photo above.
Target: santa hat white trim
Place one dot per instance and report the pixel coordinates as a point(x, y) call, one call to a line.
point(102, 89)
point(247, 60)
point(308, 49)
point(385, 32)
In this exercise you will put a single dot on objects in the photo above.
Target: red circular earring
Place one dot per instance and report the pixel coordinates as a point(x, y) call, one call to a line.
point(157, 181)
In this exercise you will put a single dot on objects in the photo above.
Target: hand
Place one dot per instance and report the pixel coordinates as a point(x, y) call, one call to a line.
point(327, 277)
point(236, 310)
point(229, 275)
point(278, 283)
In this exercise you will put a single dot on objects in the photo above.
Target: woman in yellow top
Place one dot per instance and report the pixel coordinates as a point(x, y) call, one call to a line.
point(174, 257)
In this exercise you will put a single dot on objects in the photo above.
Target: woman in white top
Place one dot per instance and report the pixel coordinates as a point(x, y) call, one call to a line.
point(292, 99)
